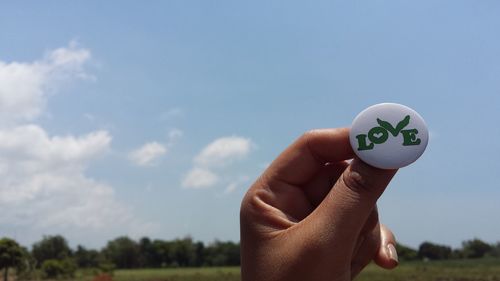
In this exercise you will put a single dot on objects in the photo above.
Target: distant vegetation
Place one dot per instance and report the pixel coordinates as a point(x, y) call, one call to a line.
point(52, 257)
point(471, 249)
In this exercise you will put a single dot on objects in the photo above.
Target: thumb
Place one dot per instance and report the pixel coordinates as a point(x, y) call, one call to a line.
point(344, 211)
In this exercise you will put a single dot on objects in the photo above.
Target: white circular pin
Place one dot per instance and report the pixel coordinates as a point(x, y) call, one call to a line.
point(388, 135)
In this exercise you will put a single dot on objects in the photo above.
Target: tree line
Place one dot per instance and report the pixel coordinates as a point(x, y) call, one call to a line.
point(471, 249)
point(55, 258)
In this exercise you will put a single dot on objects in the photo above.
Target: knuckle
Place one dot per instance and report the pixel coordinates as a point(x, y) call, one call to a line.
point(248, 204)
point(309, 136)
point(308, 140)
point(309, 133)
point(254, 201)
point(356, 182)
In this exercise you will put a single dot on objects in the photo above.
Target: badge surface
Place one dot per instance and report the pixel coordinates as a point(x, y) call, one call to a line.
point(388, 135)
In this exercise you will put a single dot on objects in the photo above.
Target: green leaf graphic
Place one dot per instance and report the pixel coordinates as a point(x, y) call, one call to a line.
point(403, 123)
point(394, 131)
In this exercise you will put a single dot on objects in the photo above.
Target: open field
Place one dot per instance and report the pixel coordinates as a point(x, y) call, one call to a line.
point(457, 270)
point(182, 274)
point(460, 270)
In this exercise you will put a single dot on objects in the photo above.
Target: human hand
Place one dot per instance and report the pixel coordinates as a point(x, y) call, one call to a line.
point(312, 216)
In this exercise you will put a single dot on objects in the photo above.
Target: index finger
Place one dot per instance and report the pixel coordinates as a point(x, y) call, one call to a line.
point(303, 159)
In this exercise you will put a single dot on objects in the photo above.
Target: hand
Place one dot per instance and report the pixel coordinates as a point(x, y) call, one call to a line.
point(313, 216)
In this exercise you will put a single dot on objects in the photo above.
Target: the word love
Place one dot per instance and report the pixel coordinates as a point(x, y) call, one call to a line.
point(380, 134)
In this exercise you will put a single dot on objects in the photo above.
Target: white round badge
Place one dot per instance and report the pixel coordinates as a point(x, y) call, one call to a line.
point(388, 135)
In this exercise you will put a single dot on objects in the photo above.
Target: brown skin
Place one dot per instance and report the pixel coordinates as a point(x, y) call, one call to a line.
point(313, 216)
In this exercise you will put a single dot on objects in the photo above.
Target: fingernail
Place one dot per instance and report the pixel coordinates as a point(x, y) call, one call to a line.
point(393, 254)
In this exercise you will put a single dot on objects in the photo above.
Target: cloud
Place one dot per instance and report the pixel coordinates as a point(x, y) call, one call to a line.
point(215, 157)
point(147, 154)
point(34, 163)
point(223, 151)
point(25, 87)
point(150, 153)
point(43, 183)
point(199, 178)
point(69, 58)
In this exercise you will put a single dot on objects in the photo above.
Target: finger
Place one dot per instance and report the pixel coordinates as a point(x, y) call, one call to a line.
point(367, 249)
point(323, 181)
point(367, 245)
point(347, 207)
point(308, 154)
point(371, 224)
point(387, 256)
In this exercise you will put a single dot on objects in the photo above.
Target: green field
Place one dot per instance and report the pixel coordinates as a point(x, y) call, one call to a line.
point(182, 274)
point(461, 270)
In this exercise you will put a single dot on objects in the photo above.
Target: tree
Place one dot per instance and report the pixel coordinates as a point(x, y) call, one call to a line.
point(86, 258)
point(222, 254)
point(475, 248)
point(457, 254)
point(147, 253)
point(11, 255)
point(434, 251)
point(183, 252)
point(123, 252)
point(51, 247)
point(495, 251)
point(162, 255)
point(199, 253)
point(406, 253)
point(26, 269)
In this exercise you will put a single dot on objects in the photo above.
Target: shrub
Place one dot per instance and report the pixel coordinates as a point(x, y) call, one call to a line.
point(69, 267)
point(107, 267)
point(52, 269)
point(432, 251)
point(406, 253)
point(475, 248)
point(59, 268)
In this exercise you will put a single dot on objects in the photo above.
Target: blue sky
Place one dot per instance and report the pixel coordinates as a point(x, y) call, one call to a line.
point(153, 118)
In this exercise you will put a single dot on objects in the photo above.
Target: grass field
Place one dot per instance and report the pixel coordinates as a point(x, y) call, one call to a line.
point(462, 270)
point(458, 270)
point(182, 274)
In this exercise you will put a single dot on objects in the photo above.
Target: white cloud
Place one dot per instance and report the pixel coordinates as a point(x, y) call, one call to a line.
point(199, 178)
point(70, 58)
point(147, 154)
point(223, 151)
point(215, 157)
point(25, 87)
point(43, 183)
